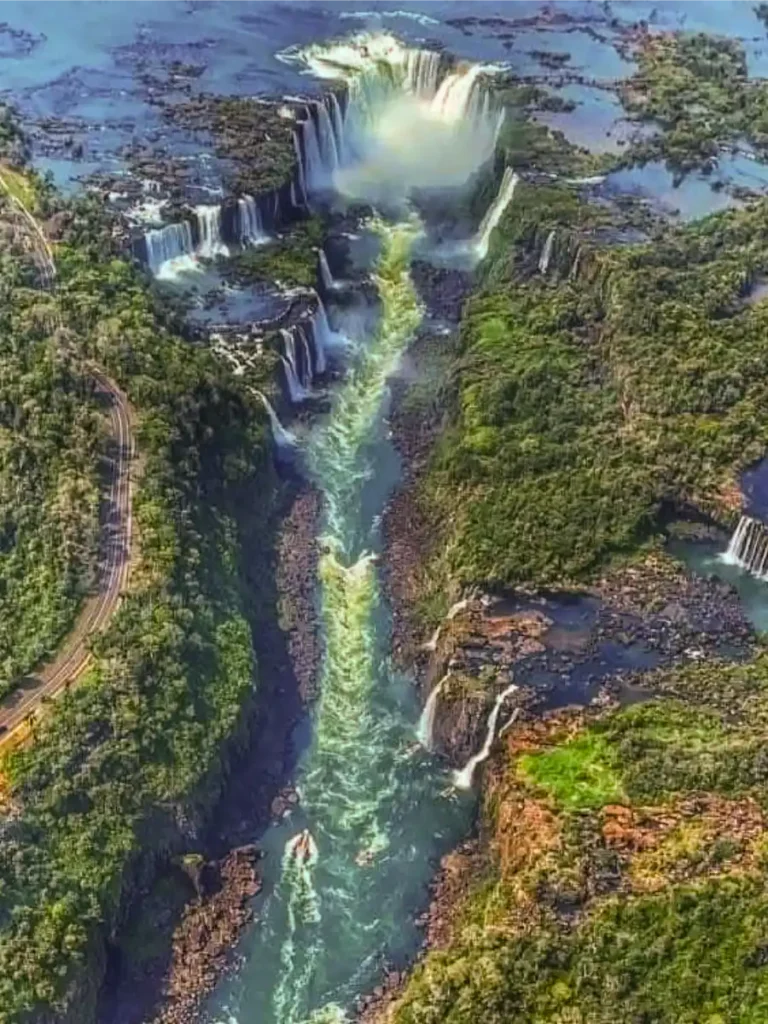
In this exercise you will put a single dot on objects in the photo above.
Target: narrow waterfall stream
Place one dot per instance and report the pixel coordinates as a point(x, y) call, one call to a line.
point(348, 870)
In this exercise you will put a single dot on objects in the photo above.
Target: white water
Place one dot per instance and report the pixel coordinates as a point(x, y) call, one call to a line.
point(417, 126)
point(546, 253)
point(249, 223)
point(463, 778)
point(283, 438)
point(748, 547)
point(426, 727)
point(431, 644)
point(327, 341)
point(495, 211)
point(325, 272)
point(209, 227)
point(375, 803)
point(459, 606)
point(298, 376)
point(170, 249)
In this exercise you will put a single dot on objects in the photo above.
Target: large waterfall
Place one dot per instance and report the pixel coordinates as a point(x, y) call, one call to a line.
point(298, 370)
point(283, 438)
point(749, 547)
point(410, 120)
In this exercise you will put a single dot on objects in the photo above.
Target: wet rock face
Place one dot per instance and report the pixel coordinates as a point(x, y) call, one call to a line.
point(473, 661)
point(574, 649)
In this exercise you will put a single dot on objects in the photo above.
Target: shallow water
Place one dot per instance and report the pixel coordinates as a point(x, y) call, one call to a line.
point(706, 559)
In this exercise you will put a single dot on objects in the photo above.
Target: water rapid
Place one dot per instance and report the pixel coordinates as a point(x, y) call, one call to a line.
point(350, 865)
point(353, 861)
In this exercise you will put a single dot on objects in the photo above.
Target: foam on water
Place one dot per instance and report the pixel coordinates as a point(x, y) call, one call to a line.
point(372, 800)
point(410, 122)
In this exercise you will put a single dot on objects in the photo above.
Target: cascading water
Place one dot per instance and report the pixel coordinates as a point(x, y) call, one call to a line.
point(250, 228)
point(463, 779)
point(283, 438)
point(370, 799)
point(374, 804)
point(167, 246)
point(410, 122)
point(494, 212)
point(209, 228)
point(298, 379)
point(749, 547)
point(326, 340)
point(426, 727)
point(325, 272)
point(546, 253)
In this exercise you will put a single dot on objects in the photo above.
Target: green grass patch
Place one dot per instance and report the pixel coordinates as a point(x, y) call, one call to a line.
point(290, 259)
point(579, 775)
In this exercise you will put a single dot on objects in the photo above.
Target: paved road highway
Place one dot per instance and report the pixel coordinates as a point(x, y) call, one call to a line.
point(74, 656)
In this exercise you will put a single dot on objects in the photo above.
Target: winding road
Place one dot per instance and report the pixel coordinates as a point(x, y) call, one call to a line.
point(19, 707)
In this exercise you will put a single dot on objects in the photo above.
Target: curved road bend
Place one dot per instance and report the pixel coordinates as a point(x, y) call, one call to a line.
point(74, 655)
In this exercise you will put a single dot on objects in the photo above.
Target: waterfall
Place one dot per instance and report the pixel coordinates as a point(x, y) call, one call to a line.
point(308, 369)
point(459, 606)
point(422, 71)
point(209, 227)
point(463, 779)
point(250, 228)
point(546, 253)
point(283, 438)
point(299, 164)
point(494, 212)
point(426, 726)
point(168, 245)
point(458, 95)
point(172, 248)
point(325, 339)
point(324, 143)
point(325, 272)
point(337, 125)
point(749, 547)
point(407, 123)
point(297, 389)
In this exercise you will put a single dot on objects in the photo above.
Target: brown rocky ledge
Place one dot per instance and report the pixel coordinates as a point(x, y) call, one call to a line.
point(203, 940)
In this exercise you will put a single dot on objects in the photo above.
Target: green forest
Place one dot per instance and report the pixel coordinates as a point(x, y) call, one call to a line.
point(50, 442)
point(141, 743)
point(586, 407)
point(625, 868)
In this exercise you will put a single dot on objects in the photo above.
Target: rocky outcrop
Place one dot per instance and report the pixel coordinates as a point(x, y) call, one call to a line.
point(204, 938)
point(474, 657)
